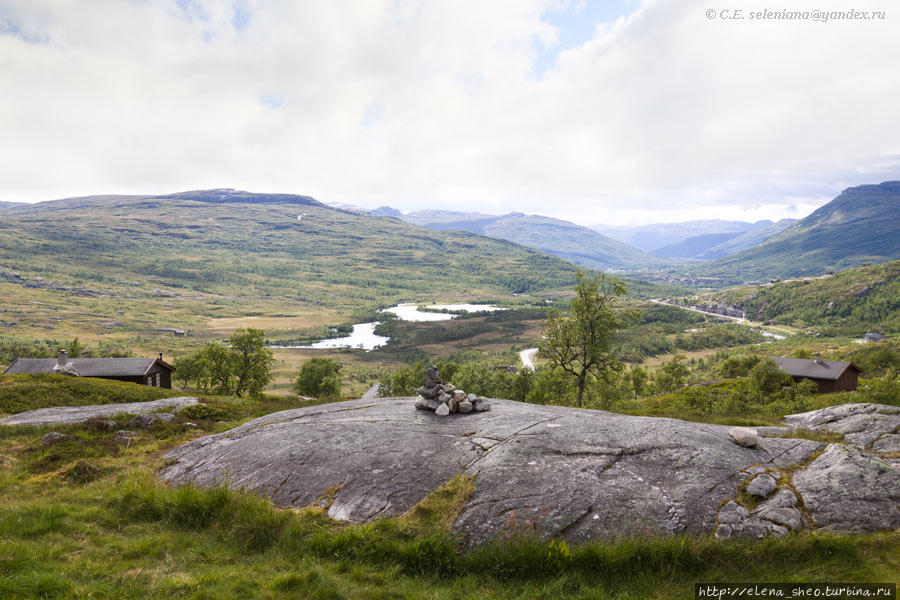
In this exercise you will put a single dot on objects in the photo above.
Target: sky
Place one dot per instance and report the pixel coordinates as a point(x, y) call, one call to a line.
point(616, 112)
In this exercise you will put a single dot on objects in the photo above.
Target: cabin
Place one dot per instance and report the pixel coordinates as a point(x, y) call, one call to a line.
point(154, 372)
point(829, 375)
point(874, 337)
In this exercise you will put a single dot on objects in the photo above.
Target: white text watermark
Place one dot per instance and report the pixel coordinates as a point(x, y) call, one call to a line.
point(820, 16)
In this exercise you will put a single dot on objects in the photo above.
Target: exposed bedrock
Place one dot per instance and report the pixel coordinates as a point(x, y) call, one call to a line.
point(554, 471)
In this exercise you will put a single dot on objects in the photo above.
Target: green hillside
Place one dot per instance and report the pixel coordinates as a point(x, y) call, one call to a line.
point(572, 242)
point(229, 243)
point(851, 302)
point(861, 225)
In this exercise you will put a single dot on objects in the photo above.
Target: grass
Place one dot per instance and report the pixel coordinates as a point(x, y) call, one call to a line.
point(19, 393)
point(86, 518)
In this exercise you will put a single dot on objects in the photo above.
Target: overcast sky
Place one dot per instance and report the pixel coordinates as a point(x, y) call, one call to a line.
point(617, 112)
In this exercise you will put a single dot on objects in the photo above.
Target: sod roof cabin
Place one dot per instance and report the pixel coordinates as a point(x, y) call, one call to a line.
point(146, 371)
point(829, 375)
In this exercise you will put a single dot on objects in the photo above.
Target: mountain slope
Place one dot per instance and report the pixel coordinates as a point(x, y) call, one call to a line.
point(693, 246)
point(851, 302)
point(232, 243)
point(746, 240)
point(580, 245)
point(861, 225)
point(656, 235)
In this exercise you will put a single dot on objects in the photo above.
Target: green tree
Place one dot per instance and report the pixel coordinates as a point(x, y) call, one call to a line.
point(215, 369)
point(581, 342)
point(766, 378)
point(187, 370)
point(252, 361)
point(320, 378)
point(75, 349)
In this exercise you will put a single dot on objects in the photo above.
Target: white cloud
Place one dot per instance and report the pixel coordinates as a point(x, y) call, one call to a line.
point(664, 115)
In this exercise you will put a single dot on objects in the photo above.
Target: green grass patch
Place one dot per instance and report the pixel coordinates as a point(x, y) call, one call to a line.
point(19, 393)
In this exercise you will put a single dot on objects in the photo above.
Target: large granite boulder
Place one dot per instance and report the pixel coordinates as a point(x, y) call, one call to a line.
point(554, 471)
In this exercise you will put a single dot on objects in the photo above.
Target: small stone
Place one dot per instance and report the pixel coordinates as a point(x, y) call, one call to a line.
point(723, 532)
point(762, 485)
point(444, 398)
point(471, 398)
point(53, 437)
point(744, 436)
point(464, 407)
point(189, 424)
point(145, 421)
point(442, 411)
point(125, 432)
point(123, 438)
point(448, 388)
point(426, 404)
point(732, 512)
point(482, 406)
point(453, 403)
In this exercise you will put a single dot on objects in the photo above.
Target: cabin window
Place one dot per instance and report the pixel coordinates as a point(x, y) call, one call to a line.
point(157, 380)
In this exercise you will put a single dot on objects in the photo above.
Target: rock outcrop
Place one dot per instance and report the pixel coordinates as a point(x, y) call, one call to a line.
point(67, 415)
point(552, 471)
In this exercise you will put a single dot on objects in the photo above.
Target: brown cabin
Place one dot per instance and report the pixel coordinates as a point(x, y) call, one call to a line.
point(145, 371)
point(829, 375)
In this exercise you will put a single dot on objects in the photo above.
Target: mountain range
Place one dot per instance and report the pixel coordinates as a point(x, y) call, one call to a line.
point(657, 236)
point(861, 225)
point(572, 242)
point(232, 243)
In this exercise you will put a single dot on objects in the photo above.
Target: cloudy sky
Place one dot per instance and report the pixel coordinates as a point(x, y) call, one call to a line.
point(596, 111)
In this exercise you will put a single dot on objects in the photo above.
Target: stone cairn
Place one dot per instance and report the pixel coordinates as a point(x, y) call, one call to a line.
point(444, 399)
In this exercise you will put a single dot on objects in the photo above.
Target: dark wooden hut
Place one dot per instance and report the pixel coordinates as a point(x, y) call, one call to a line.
point(145, 371)
point(829, 375)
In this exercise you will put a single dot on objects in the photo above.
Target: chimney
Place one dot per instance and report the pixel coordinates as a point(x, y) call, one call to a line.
point(819, 360)
point(160, 356)
point(62, 358)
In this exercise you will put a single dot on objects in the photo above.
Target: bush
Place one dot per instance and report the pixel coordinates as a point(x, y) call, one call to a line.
point(319, 377)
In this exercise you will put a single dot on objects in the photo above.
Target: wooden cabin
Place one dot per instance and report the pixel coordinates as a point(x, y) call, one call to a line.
point(154, 372)
point(829, 375)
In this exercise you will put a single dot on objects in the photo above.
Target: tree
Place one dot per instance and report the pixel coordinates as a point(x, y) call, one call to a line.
point(252, 361)
point(319, 377)
point(215, 369)
point(187, 369)
point(767, 378)
point(581, 343)
point(75, 349)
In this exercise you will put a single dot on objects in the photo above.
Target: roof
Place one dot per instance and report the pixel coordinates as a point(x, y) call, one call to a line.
point(802, 367)
point(89, 367)
point(875, 336)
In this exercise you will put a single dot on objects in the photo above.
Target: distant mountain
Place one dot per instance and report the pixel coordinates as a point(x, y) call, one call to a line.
point(861, 225)
point(387, 211)
point(572, 242)
point(744, 241)
point(658, 235)
point(6, 205)
point(693, 246)
point(273, 247)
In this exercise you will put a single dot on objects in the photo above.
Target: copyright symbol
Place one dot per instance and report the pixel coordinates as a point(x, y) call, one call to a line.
point(711, 14)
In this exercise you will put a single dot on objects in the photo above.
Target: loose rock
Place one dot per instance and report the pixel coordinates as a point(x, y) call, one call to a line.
point(51, 438)
point(434, 394)
point(744, 436)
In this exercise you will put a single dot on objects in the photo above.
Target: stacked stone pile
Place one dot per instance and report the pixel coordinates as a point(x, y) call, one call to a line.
point(444, 399)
